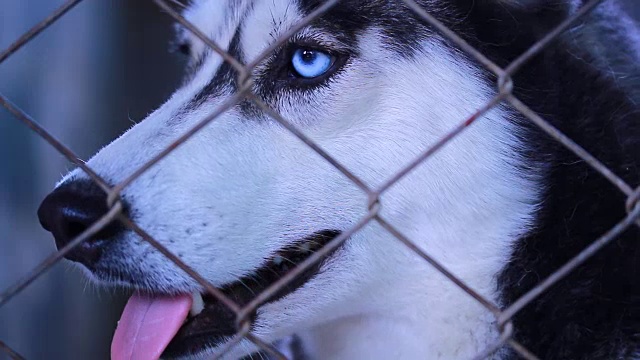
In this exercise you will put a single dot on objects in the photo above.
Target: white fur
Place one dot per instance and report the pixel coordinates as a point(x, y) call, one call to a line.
point(257, 188)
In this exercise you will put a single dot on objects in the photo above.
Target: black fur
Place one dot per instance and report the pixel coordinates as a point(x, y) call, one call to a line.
point(225, 79)
point(595, 312)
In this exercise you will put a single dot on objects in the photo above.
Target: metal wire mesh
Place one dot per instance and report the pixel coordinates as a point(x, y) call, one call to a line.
point(244, 93)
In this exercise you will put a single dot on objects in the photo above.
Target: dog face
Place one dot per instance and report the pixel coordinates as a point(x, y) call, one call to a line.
point(374, 87)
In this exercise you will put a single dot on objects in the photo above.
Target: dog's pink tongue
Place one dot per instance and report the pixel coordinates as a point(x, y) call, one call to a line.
point(147, 326)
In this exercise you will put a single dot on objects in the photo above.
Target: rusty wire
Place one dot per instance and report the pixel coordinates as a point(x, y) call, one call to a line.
point(504, 96)
point(10, 352)
point(37, 29)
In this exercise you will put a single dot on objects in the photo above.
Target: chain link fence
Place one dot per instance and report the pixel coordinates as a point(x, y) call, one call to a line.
point(503, 315)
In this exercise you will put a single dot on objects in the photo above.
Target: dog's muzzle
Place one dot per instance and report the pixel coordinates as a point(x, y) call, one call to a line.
point(74, 206)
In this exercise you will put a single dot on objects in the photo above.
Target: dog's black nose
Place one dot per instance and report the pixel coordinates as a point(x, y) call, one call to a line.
point(72, 208)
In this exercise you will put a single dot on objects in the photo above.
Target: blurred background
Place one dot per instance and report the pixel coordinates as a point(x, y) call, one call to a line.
point(86, 79)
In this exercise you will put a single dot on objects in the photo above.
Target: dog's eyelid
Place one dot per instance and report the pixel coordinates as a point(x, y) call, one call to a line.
point(318, 40)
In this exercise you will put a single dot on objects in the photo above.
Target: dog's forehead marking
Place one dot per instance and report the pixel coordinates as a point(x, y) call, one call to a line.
point(243, 29)
point(265, 24)
point(217, 19)
point(261, 23)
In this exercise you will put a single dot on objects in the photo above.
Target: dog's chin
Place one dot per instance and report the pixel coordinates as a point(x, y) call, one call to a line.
point(215, 324)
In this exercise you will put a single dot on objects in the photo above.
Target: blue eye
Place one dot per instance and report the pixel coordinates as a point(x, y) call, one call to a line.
point(310, 63)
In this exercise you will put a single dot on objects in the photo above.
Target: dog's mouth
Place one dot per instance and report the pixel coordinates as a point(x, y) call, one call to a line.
point(154, 325)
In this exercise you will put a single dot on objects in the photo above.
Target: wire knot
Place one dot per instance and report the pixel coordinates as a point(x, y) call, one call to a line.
point(505, 84)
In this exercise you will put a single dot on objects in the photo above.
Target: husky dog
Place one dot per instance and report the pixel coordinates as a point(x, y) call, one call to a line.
point(502, 206)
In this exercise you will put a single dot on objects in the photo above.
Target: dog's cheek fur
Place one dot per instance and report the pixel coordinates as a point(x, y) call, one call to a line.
point(379, 138)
